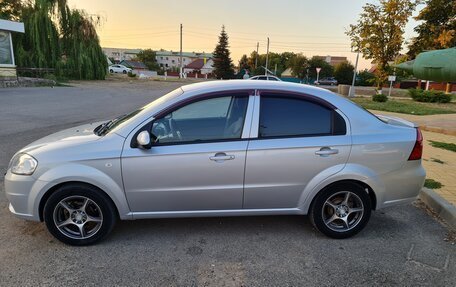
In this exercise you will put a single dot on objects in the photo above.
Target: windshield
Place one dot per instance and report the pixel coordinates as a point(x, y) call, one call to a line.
point(116, 122)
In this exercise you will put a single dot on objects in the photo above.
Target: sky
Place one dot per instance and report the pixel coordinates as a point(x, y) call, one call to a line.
point(313, 27)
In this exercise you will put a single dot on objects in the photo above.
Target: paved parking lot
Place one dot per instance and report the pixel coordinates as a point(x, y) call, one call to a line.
point(400, 246)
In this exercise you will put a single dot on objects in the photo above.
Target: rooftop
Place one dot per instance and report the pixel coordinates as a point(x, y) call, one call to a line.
point(184, 54)
point(196, 64)
point(12, 26)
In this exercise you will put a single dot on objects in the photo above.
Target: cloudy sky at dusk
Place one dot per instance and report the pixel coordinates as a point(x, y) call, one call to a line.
point(310, 27)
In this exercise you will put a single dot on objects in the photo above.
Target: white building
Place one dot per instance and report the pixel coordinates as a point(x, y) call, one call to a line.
point(7, 63)
point(333, 60)
point(120, 54)
point(170, 60)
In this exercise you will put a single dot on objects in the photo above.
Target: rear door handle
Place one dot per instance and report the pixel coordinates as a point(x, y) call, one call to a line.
point(326, 151)
point(221, 156)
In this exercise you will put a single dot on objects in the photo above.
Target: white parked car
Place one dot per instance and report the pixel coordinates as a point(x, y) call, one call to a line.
point(119, 69)
point(265, 78)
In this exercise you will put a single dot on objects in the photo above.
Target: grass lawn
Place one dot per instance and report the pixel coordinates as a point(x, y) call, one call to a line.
point(432, 184)
point(407, 106)
point(442, 145)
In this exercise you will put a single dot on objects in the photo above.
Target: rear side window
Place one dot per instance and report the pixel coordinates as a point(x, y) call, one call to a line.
point(291, 117)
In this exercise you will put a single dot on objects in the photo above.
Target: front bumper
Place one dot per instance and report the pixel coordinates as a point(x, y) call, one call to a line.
point(21, 192)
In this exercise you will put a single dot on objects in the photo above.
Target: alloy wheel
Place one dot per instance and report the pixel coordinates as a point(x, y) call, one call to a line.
point(78, 217)
point(342, 211)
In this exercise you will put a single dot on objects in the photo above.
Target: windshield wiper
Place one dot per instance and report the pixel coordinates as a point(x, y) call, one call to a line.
point(103, 128)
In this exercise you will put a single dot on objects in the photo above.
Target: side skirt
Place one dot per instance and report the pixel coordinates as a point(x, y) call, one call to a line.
point(217, 213)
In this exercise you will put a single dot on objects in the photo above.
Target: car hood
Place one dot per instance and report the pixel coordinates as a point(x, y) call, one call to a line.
point(80, 134)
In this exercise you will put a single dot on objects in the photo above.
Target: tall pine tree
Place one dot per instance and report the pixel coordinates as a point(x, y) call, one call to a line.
point(223, 65)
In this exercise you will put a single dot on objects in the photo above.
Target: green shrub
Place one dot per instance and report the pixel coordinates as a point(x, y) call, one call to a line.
point(131, 75)
point(432, 184)
point(430, 96)
point(379, 98)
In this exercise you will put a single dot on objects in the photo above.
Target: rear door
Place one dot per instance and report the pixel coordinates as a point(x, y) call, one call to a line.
point(296, 138)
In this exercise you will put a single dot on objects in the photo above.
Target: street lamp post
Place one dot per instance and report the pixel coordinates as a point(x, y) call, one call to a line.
point(267, 58)
point(318, 74)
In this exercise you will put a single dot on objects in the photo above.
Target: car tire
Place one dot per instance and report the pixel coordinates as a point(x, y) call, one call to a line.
point(124, 71)
point(78, 214)
point(341, 210)
point(111, 71)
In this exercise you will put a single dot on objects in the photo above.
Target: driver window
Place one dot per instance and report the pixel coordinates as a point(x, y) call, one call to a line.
point(219, 118)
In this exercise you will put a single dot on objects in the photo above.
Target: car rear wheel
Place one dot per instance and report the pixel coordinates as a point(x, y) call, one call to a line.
point(79, 215)
point(341, 210)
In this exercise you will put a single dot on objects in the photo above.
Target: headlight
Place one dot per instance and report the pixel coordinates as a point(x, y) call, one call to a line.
point(23, 164)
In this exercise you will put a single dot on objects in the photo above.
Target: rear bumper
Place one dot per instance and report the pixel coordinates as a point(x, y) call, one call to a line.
point(402, 186)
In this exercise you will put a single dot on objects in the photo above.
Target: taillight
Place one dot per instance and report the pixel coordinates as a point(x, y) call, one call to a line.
point(417, 151)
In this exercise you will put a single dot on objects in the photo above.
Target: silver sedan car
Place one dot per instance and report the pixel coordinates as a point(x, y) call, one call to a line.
point(222, 148)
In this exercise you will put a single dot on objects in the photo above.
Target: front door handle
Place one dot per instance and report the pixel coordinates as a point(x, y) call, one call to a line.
point(326, 151)
point(221, 157)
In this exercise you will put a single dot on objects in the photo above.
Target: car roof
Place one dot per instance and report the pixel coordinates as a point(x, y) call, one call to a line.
point(251, 85)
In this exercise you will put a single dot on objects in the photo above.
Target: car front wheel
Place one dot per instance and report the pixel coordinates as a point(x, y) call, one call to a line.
point(111, 71)
point(341, 210)
point(124, 71)
point(79, 215)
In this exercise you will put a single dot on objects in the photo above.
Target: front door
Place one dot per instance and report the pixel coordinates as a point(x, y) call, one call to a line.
point(197, 160)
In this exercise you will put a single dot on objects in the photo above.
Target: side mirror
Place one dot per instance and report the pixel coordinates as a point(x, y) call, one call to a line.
point(143, 140)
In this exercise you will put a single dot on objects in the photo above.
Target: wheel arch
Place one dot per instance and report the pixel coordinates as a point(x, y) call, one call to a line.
point(51, 190)
point(356, 173)
point(49, 181)
point(365, 186)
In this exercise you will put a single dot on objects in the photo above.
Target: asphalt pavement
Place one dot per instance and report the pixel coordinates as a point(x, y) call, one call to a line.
point(400, 246)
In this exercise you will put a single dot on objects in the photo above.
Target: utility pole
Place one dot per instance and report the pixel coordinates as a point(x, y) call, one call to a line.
point(181, 66)
point(351, 92)
point(256, 58)
point(267, 58)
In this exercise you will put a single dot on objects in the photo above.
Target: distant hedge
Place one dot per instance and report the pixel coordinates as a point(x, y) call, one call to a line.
point(430, 96)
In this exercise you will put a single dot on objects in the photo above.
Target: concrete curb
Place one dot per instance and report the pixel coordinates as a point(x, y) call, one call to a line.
point(443, 208)
point(438, 130)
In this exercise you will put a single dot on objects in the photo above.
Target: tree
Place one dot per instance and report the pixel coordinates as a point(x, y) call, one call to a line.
point(378, 34)
point(299, 65)
point(343, 73)
point(223, 65)
point(438, 27)
point(244, 63)
point(365, 78)
point(10, 9)
point(57, 37)
point(318, 62)
point(149, 58)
